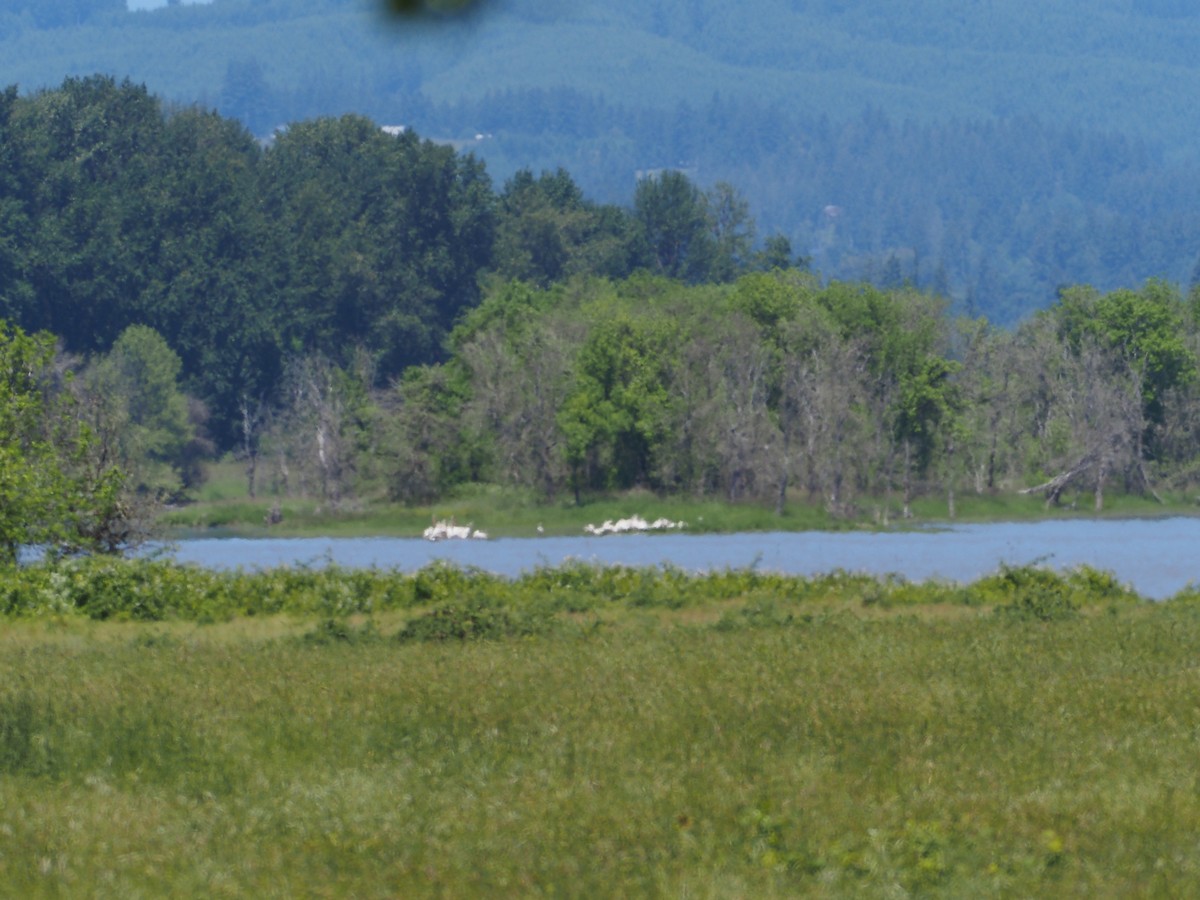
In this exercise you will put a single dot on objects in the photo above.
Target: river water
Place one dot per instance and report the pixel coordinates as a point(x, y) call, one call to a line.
point(1158, 557)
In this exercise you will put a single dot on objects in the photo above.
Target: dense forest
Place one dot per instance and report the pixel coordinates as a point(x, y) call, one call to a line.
point(776, 388)
point(356, 312)
point(339, 237)
point(990, 155)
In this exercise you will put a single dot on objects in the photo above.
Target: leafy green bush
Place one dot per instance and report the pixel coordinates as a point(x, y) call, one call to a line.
point(442, 581)
point(477, 618)
point(1096, 586)
point(1038, 593)
point(1031, 593)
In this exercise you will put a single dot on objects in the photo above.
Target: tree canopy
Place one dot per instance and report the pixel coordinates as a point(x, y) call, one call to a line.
point(54, 492)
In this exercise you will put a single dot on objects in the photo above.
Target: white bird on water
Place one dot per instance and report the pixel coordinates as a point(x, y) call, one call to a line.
point(443, 531)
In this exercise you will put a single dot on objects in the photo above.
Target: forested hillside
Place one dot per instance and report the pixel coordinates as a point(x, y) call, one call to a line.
point(1120, 65)
point(991, 152)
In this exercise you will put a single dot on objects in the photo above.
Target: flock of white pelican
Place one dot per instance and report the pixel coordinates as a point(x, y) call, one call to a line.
point(445, 531)
point(633, 523)
point(448, 531)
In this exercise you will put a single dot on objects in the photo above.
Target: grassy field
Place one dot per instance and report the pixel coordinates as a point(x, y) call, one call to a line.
point(222, 504)
point(733, 736)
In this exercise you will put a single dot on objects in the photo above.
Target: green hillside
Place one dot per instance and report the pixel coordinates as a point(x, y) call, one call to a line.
point(1112, 65)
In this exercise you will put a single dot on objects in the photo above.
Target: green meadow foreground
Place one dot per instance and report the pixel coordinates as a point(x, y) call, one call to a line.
point(166, 731)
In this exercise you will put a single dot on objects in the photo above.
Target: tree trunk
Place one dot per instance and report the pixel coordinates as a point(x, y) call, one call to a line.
point(907, 480)
point(781, 499)
point(249, 447)
point(950, 479)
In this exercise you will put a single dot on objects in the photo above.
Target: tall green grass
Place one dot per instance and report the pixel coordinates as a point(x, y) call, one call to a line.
point(777, 746)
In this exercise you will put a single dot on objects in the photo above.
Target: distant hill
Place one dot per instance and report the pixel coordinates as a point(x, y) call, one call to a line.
point(993, 150)
point(1107, 64)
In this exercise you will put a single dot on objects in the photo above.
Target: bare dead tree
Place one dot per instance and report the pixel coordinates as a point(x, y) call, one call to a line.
point(518, 385)
point(742, 431)
point(253, 416)
point(1093, 420)
point(823, 392)
point(310, 435)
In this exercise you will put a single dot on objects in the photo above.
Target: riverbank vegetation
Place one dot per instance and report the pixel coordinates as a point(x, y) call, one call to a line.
point(828, 405)
point(590, 731)
point(358, 319)
point(158, 590)
point(777, 389)
point(223, 508)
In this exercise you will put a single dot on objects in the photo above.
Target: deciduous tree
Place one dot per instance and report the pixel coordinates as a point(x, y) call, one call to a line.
point(54, 492)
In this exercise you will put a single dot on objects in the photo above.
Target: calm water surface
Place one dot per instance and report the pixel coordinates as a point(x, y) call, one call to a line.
point(1157, 557)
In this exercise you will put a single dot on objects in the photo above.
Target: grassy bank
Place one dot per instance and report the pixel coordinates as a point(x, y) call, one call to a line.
point(595, 733)
point(223, 504)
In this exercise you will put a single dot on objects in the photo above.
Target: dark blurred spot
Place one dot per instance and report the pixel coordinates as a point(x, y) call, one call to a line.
point(429, 7)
